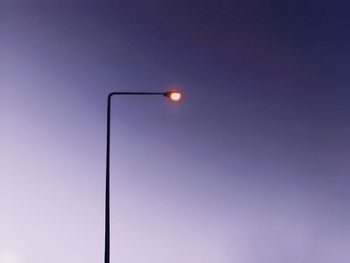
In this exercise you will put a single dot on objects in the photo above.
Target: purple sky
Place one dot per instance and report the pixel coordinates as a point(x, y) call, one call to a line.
point(252, 167)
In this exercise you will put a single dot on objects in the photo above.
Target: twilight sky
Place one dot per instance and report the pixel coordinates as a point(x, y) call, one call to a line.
point(251, 168)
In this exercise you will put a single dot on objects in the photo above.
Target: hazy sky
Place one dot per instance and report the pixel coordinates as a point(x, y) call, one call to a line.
point(252, 167)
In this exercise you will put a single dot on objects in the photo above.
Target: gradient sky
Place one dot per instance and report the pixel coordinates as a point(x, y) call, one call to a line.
point(253, 167)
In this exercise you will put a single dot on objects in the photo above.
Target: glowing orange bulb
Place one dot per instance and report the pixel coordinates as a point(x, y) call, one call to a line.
point(174, 95)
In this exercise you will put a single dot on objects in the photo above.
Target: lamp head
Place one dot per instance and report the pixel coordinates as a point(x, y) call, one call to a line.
point(174, 95)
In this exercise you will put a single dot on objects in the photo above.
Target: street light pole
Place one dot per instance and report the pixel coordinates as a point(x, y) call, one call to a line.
point(173, 95)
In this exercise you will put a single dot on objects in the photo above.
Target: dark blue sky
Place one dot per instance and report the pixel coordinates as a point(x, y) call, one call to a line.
point(252, 167)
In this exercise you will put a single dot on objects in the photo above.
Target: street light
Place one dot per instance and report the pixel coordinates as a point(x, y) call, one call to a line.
point(172, 95)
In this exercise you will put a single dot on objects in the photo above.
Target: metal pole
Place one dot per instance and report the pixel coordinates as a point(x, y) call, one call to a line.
point(107, 208)
point(107, 217)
